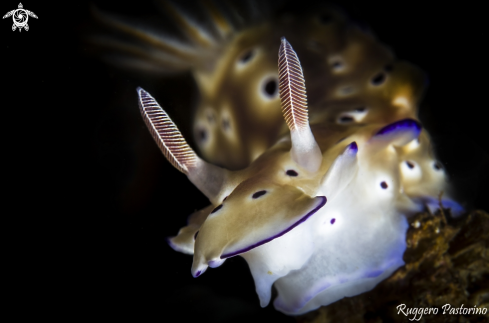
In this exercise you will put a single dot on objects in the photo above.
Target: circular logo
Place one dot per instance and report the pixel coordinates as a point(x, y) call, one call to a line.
point(20, 17)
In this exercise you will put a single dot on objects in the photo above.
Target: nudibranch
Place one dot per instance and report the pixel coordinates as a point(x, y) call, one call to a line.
point(321, 214)
point(317, 205)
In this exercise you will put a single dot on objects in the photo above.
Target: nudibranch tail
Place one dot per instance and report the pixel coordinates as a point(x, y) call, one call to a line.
point(305, 151)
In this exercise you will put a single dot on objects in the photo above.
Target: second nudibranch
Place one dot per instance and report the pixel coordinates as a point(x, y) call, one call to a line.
point(321, 214)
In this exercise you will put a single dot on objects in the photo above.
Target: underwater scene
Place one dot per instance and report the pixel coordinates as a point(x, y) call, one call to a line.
point(345, 211)
point(259, 161)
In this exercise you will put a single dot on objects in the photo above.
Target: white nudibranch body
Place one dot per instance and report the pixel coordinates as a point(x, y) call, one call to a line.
point(321, 215)
point(352, 243)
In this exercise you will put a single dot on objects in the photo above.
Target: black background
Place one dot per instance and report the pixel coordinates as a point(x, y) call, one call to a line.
point(84, 235)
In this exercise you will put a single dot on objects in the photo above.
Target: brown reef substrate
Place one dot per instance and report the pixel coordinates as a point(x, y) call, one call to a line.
point(446, 263)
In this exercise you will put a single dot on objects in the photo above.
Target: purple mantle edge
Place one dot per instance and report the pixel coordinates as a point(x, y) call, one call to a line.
point(304, 218)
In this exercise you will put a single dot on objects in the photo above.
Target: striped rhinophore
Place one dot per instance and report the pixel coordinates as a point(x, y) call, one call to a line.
point(292, 87)
point(166, 134)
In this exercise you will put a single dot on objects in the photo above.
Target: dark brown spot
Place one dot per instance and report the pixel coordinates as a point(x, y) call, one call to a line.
point(337, 65)
point(378, 79)
point(217, 208)
point(202, 135)
point(258, 194)
point(360, 109)
point(409, 164)
point(195, 236)
point(225, 198)
point(246, 56)
point(346, 119)
point(291, 172)
point(271, 88)
point(383, 185)
point(437, 166)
